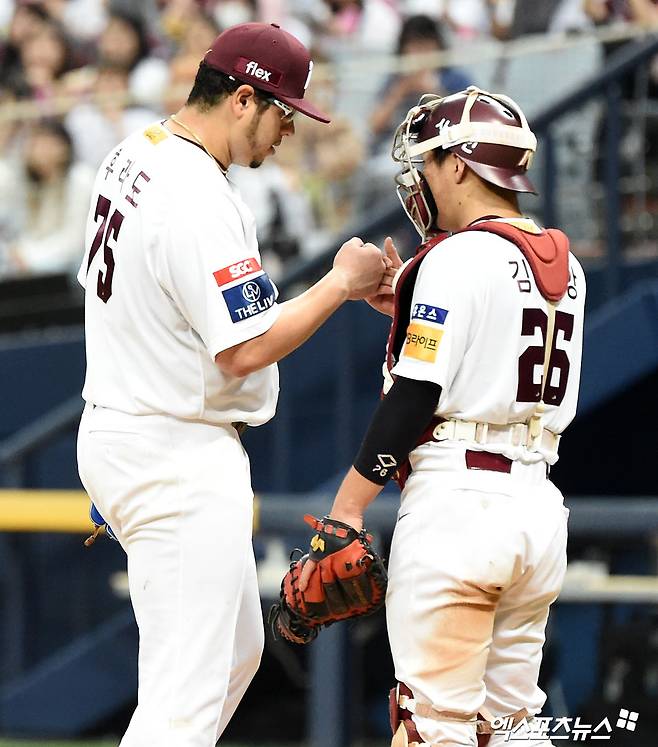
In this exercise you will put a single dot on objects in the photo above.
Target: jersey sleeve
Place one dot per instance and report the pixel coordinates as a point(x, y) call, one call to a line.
point(442, 311)
point(213, 273)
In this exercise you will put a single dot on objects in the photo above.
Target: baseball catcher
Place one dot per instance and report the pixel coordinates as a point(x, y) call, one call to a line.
point(348, 580)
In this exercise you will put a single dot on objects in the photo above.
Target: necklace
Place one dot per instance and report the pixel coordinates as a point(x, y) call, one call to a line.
point(175, 119)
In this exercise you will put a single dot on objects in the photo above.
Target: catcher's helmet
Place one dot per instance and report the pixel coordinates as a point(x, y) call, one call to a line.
point(486, 130)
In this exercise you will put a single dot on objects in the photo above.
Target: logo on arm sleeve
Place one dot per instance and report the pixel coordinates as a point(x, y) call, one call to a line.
point(422, 342)
point(424, 335)
point(236, 271)
point(427, 313)
point(250, 298)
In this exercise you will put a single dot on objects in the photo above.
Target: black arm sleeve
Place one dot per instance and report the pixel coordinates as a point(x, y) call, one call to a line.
point(396, 426)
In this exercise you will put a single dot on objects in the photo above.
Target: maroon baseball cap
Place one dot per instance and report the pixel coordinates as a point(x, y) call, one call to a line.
point(268, 58)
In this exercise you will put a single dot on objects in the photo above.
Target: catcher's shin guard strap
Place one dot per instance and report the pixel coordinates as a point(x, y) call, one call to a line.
point(408, 704)
point(402, 705)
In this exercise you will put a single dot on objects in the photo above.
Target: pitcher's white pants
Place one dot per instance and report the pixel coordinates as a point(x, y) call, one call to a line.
point(476, 560)
point(178, 496)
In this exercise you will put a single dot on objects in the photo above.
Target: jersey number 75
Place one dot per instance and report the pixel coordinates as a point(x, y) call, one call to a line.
point(107, 231)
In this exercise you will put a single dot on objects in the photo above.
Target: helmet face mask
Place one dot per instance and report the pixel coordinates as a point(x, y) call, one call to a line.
point(489, 132)
point(411, 186)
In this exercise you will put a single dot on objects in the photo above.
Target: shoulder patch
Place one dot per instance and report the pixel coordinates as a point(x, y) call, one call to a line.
point(236, 271)
point(422, 342)
point(249, 298)
point(427, 313)
point(155, 134)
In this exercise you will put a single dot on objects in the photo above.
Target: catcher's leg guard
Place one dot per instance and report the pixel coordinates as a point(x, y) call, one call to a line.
point(402, 725)
point(402, 705)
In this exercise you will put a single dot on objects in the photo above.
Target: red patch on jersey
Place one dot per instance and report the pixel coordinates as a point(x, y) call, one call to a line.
point(236, 271)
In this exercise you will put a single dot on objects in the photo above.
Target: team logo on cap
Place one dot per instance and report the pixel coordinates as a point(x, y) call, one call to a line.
point(253, 69)
point(310, 72)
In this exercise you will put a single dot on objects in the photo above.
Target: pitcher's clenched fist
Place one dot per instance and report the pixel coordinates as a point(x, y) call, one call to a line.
point(362, 267)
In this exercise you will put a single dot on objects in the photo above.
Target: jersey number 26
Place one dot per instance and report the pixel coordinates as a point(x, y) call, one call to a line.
point(558, 363)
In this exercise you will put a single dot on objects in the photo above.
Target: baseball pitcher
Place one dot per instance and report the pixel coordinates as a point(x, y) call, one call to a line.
point(183, 332)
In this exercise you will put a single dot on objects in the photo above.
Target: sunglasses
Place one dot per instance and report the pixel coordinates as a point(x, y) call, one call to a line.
point(288, 111)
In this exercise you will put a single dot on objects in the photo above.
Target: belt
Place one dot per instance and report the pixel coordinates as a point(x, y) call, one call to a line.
point(487, 460)
point(513, 434)
point(478, 459)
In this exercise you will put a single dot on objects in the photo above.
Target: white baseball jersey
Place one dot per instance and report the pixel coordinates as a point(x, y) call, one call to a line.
point(173, 276)
point(478, 329)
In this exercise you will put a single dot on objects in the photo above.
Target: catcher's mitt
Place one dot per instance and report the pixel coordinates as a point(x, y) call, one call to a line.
point(348, 581)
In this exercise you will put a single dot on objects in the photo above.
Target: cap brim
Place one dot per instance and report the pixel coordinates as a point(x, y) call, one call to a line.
point(307, 108)
point(502, 177)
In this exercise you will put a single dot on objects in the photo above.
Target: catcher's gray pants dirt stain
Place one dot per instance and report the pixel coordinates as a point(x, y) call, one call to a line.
point(477, 558)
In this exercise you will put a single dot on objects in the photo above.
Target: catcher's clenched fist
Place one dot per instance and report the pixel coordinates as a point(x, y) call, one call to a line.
point(348, 579)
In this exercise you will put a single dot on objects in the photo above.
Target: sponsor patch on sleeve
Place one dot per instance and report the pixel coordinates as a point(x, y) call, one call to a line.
point(422, 342)
point(427, 313)
point(250, 298)
point(236, 271)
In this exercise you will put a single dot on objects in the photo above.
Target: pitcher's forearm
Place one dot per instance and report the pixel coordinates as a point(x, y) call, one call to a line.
point(300, 317)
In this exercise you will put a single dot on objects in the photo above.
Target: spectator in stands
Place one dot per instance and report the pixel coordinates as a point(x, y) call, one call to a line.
point(419, 35)
point(505, 19)
point(45, 56)
point(195, 41)
point(643, 12)
point(9, 129)
point(473, 19)
point(358, 26)
point(99, 122)
point(323, 164)
point(122, 64)
point(282, 212)
point(524, 17)
point(43, 205)
point(570, 17)
point(232, 12)
point(638, 146)
point(200, 32)
point(26, 21)
point(83, 19)
point(124, 43)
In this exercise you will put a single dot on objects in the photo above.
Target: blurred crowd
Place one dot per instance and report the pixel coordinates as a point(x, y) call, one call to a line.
point(85, 73)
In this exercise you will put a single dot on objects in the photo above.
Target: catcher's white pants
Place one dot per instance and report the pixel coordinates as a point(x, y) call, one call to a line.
point(178, 496)
point(476, 560)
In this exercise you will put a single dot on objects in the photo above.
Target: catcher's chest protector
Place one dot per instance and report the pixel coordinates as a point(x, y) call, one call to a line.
point(547, 254)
